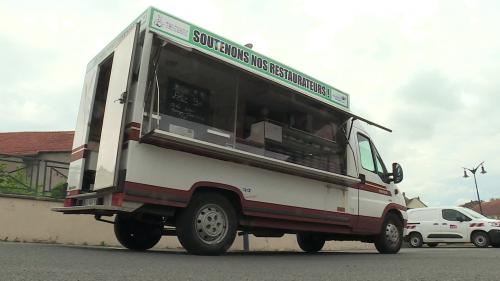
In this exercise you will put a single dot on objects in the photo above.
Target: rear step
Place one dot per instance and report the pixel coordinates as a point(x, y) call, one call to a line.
point(97, 210)
point(83, 195)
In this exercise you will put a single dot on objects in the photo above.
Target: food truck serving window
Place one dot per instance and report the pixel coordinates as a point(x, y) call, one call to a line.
point(197, 96)
point(205, 99)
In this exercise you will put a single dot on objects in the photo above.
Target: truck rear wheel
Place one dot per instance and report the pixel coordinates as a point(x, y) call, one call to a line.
point(391, 237)
point(310, 243)
point(136, 234)
point(208, 225)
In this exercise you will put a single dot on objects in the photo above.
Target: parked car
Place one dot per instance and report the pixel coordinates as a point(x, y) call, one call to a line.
point(435, 225)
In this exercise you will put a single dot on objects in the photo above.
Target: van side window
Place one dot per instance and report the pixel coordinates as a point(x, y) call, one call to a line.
point(365, 153)
point(454, 215)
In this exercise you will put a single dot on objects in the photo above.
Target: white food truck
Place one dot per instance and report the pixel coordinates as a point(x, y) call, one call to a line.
point(183, 132)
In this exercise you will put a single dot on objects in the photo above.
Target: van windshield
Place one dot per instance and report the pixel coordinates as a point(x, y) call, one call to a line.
point(472, 213)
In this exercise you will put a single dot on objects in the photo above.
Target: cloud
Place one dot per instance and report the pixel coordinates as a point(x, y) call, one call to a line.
point(427, 99)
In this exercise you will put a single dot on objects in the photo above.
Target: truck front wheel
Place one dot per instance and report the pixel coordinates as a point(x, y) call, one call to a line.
point(310, 243)
point(208, 225)
point(136, 234)
point(391, 237)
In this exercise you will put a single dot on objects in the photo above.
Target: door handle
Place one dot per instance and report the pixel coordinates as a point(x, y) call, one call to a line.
point(436, 224)
point(444, 223)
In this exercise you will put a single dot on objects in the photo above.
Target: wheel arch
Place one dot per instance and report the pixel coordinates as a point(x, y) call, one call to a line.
point(396, 212)
point(233, 194)
point(395, 209)
point(477, 231)
point(415, 232)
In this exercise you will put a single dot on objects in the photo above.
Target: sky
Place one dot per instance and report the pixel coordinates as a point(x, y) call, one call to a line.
point(429, 70)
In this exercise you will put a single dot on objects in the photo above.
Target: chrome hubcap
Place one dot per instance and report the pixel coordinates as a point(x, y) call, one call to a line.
point(392, 234)
point(211, 224)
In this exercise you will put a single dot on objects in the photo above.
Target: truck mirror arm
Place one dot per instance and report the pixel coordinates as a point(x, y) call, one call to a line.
point(362, 177)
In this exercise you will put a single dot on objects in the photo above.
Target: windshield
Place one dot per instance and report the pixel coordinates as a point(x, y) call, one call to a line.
point(472, 213)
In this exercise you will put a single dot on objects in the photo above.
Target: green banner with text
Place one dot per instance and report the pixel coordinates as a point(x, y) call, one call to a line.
point(207, 42)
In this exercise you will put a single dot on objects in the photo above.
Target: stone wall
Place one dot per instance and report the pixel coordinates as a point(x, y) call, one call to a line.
point(29, 220)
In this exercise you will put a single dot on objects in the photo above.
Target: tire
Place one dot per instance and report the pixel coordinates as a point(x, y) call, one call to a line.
point(310, 243)
point(390, 239)
point(135, 234)
point(208, 225)
point(415, 240)
point(480, 239)
point(432, 245)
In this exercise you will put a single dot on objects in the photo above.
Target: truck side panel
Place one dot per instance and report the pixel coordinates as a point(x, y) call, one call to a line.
point(176, 170)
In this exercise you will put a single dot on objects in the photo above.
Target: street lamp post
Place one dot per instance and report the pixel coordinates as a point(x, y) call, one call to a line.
point(473, 171)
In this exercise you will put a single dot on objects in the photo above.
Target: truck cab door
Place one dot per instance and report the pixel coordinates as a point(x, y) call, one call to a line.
point(113, 121)
point(373, 193)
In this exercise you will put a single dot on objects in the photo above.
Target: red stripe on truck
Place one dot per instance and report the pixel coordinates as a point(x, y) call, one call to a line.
point(83, 153)
point(144, 193)
point(78, 148)
point(373, 187)
point(132, 131)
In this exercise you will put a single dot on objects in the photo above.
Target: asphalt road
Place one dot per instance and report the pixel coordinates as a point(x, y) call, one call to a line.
point(24, 261)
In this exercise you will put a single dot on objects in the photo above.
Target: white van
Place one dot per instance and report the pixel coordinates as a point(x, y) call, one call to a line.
point(432, 226)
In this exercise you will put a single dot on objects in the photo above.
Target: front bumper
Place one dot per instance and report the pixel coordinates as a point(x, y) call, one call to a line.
point(494, 236)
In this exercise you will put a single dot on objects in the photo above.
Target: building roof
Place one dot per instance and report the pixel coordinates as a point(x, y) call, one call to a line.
point(414, 202)
point(32, 143)
point(490, 208)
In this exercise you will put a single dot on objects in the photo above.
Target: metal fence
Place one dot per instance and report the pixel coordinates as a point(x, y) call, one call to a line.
point(31, 176)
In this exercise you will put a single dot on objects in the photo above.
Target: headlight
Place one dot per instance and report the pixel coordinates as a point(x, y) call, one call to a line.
point(495, 223)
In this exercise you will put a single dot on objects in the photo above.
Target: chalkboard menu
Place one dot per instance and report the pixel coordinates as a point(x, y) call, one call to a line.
point(187, 101)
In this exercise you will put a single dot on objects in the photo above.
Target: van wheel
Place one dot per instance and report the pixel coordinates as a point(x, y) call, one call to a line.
point(391, 237)
point(432, 245)
point(136, 234)
point(415, 240)
point(208, 225)
point(480, 239)
point(310, 243)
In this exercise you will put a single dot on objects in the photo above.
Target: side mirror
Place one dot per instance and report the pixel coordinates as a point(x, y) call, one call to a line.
point(397, 173)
